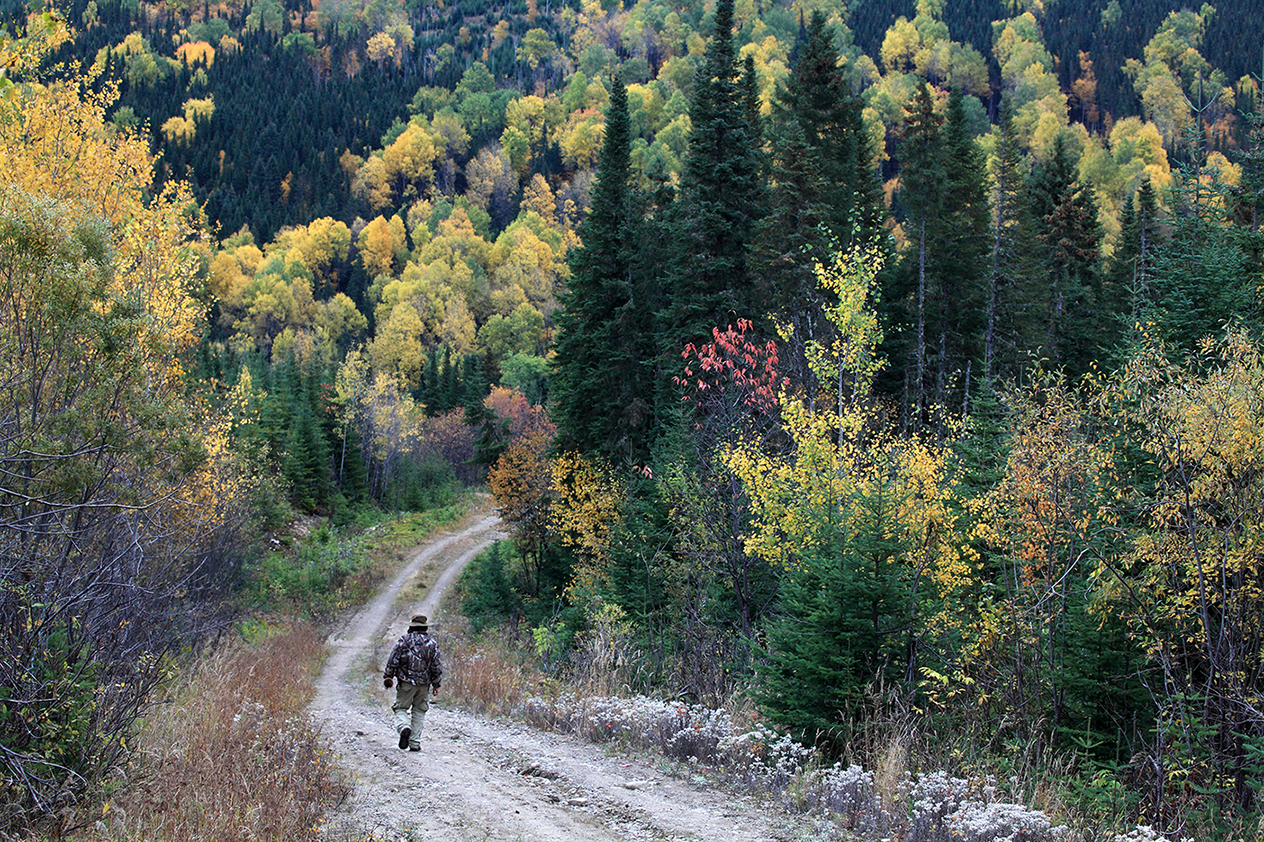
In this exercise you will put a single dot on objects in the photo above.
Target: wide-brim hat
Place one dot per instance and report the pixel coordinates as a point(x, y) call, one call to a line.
point(419, 623)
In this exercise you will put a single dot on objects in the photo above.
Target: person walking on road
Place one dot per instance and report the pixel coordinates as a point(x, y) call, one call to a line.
point(416, 662)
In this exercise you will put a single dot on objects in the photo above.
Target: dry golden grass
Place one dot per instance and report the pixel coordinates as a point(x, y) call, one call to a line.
point(233, 756)
point(487, 675)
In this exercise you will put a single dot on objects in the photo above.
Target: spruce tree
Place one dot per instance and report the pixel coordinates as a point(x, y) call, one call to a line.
point(1065, 221)
point(601, 394)
point(1205, 275)
point(449, 382)
point(960, 255)
point(922, 187)
point(1050, 179)
point(1001, 310)
point(353, 477)
point(306, 463)
point(492, 434)
point(276, 414)
point(721, 199)
point(475, 381)
point(818, 98)
point(786, 242)
point(430, 381)
point(1249, 193)
point(845, 622)
point(1126, 276)
point(1131, 266)
point(1147, 231)
point(824, 192)
point(937, 299)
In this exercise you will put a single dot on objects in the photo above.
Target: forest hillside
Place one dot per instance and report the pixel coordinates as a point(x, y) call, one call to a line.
point(869, 362)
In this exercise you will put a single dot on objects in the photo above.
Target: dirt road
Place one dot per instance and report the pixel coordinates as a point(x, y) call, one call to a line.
point(481, 779)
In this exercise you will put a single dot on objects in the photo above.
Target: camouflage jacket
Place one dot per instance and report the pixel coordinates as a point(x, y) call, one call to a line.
point(415, 659)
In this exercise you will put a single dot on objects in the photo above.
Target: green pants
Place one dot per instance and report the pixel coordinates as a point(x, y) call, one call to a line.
point(411, 703)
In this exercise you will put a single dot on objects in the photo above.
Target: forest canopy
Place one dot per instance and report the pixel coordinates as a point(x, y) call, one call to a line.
point(851, 358)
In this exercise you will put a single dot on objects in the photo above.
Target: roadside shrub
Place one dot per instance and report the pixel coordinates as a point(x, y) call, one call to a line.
point(81, 657)
point(233, 749)
point(486, 677)
point(931, 807)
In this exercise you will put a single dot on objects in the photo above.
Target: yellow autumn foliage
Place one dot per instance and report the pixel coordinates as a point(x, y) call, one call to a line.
point(586, 505)
point(321, 246)
point(196, 52)
point(849, 461)
point(1201, 548)
point(130, 259)
point(381, 243)
point(434, 292)
point(1043, 512)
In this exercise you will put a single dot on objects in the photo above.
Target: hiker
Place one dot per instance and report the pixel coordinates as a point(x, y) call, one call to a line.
point(415, 661)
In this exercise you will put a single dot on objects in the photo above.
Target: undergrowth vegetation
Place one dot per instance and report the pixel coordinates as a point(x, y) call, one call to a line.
point(233, 752)
point(328, 569)
point(889, 777)
point(886, 788)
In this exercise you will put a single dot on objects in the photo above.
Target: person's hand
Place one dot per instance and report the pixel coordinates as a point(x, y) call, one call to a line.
point(387, 683)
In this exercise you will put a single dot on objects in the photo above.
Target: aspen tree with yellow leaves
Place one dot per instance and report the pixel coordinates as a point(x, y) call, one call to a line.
point(584, 513)
point(864, 524)
point(116, 489)
point(1192, 582)
point(386, 420)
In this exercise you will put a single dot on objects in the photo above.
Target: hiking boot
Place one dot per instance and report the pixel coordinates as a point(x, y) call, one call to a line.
point(414, 748)
point(404, 737)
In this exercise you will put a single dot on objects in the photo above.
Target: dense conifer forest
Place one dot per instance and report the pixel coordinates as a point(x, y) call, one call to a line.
point(865, 359)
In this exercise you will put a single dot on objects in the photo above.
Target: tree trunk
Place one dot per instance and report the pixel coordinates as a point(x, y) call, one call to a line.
point(919, 389)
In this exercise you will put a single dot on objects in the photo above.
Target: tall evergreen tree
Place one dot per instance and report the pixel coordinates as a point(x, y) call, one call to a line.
point(430, 380)
point(787, 240)
point(922, 186)
point(960, 255)
point(1064, 217)
point(1001, 310)
point(306, 463)
point(601, 391)
point(1249, 193)
point(449, 382)
point(1205, 276)
point(721, 199)
point(936, 304)
point(475, 380)
point(491, 434)
point(818, 98)
point(276, 414)
point(1146, 235)
point(1128, 273)
point(1049, 181)
point(824, 191)
point(353, 476)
